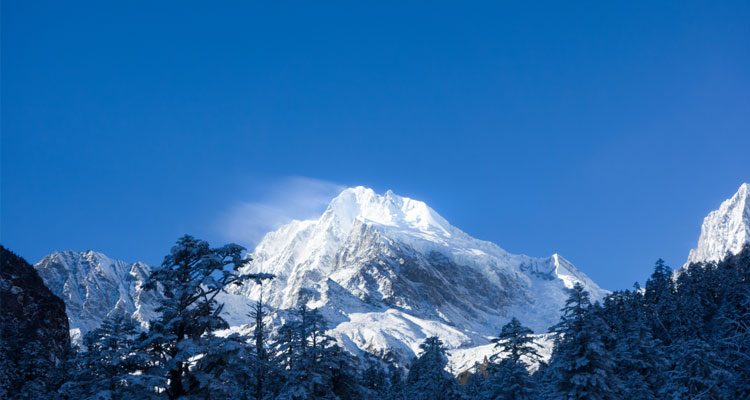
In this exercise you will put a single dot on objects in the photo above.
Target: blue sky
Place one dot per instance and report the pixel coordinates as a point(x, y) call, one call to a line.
point(604, 131)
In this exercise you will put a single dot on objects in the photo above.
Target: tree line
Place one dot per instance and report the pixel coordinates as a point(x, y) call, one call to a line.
point(683, 336)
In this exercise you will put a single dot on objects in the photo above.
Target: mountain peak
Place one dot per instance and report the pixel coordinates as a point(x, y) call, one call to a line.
point(726, 230)
point(361, 203)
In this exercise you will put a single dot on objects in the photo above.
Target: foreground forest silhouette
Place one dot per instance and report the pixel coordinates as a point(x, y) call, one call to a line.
point(684, 336)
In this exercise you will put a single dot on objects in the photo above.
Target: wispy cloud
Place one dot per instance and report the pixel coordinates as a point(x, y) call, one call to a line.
point(290, 198)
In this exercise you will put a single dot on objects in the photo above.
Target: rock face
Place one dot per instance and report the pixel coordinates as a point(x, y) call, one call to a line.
point(94, 286)
point(33, 328)
point(388, 271)
point(724, 231)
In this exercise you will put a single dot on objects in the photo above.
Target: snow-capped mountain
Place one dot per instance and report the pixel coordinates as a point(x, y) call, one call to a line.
point(724, 231)
point(388, 271)
point(93, 286)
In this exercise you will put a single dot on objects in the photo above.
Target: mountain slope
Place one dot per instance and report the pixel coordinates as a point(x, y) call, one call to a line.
point(724, 231)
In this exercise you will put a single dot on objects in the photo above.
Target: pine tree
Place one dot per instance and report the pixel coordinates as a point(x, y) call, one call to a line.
point(427, 378)
point(314, 366)
point(517, 341)
point(638, 355)
point(396, 382)
point(660, 301)
point(10, 374)
point(263, 368)
point(225, 369)
point(26, 364)
point(698, 372)
point(190, 278)
point(509, 378)
point(733, 320)
point(582, 366)
point(107, 367)
point(375, 377)
point(476, 386)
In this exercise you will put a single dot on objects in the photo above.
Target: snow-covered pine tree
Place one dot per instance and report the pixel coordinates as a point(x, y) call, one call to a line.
point(396, 382)
point(285, 346)
point(108, 367)
point(292, 349)
point(314, 366)
point(264, 370)
point(733, 320)
point(190, 278)
point(476, 385)
point(517, 342)
point(509, 378)
point(427, 378)
point(225, 369)
point(375, 377)
point(581, 365)
point(637, 354)
point(661, 301)
point(698, 372)
point(544, 380)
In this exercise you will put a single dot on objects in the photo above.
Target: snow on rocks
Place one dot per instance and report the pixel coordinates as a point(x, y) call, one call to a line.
point(724, 231)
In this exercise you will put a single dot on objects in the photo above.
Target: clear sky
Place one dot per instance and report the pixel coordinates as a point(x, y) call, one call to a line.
point(604, 131)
